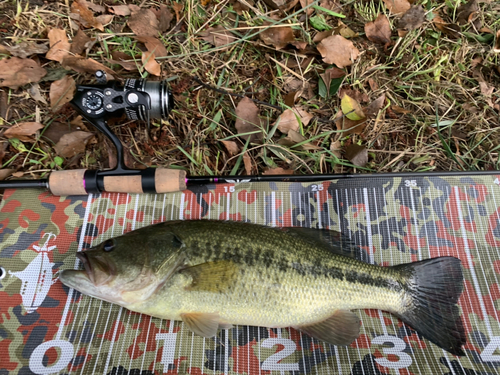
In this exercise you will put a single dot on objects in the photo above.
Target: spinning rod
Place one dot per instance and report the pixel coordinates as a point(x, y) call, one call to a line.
point(144, 100)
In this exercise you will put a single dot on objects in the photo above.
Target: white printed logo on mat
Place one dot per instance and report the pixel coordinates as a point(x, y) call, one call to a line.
point(37, 277)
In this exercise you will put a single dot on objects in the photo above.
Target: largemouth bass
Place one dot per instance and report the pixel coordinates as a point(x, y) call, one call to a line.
point(212, 274)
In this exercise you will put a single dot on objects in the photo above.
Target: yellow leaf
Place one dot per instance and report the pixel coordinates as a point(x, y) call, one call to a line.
point(351, 108)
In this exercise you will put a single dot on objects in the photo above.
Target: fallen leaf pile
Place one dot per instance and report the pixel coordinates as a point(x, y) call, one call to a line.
point(321, 65)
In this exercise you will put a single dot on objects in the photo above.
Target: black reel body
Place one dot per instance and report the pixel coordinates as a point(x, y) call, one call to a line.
point(139, 99)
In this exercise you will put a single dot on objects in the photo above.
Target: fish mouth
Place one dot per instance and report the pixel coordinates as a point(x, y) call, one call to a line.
point(87, 265)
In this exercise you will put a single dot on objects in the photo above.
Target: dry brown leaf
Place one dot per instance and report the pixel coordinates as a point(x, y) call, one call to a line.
point(231, 147)
point(178, 8)
point(247, 160)
point(449, 29)
point(56, 130)
point(5, 172)
point(79, 42)
point(126, 61)
point(26, 49)
point(294, 138)
point(322, 35)
point(397, 6)
point(217, 36)
point(59, 45)
point(82, 65)
point(305, 3)
point(24, 131)
point(276, 171)
point(299, 44)
point(95, 7)
point(345, 31)
point(356, 154)
point(81, 13)
point(105, 19)
point(336, 148)
point(379, 31)
point(496, 48)
point(4, 106)
point(239, 7)
point(144, 22)
point(373, 84)
point(349, 126)
point(331, 73)
point(3, 147)
point(150, 64)
point(120, 10)
point(360, 96)
point(283, 5)
point(372, 110)
point(279, 37)
point(487, 91)
point(486, 30)
point(72, 144)
point(247, 120)
point(338, 50)
point(288, 119)
point(467, 12)
point(153, 45)
point(333, 5)
point(294, 84)
point(78, 124)
point(35, 93)
point(15, 72)
point(61, 92)
point(412, 19)
point(290, 98)
point(164, 16)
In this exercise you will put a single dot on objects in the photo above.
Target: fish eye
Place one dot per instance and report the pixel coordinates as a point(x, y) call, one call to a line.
point(108, 245)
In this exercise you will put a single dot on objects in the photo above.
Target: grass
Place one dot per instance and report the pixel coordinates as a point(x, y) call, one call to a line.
point(435, 118)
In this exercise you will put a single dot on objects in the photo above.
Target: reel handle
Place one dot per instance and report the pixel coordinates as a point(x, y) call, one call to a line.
point(84, 181)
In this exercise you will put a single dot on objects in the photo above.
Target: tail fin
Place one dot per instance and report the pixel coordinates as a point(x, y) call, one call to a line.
point(433, 287)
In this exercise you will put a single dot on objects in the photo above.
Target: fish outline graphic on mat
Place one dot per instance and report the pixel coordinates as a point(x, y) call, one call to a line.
point(213, 274)
point(37, 277)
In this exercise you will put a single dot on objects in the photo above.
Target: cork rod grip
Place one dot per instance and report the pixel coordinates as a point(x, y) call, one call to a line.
point(165, 180)
point(72, 182)
point(67, 182)
point(169, 180)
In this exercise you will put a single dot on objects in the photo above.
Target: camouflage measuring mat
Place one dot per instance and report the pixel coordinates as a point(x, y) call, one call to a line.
point(47, 328)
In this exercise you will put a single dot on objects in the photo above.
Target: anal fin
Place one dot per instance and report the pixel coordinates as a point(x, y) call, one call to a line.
point(342, 328)
point(202, 324)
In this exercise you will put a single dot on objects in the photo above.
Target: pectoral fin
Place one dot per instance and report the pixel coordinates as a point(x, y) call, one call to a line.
point(217, 277)
point(203, 324)
point(342, 328)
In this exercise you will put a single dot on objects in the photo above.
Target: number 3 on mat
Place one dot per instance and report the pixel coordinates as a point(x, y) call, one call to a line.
point(404, 360)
